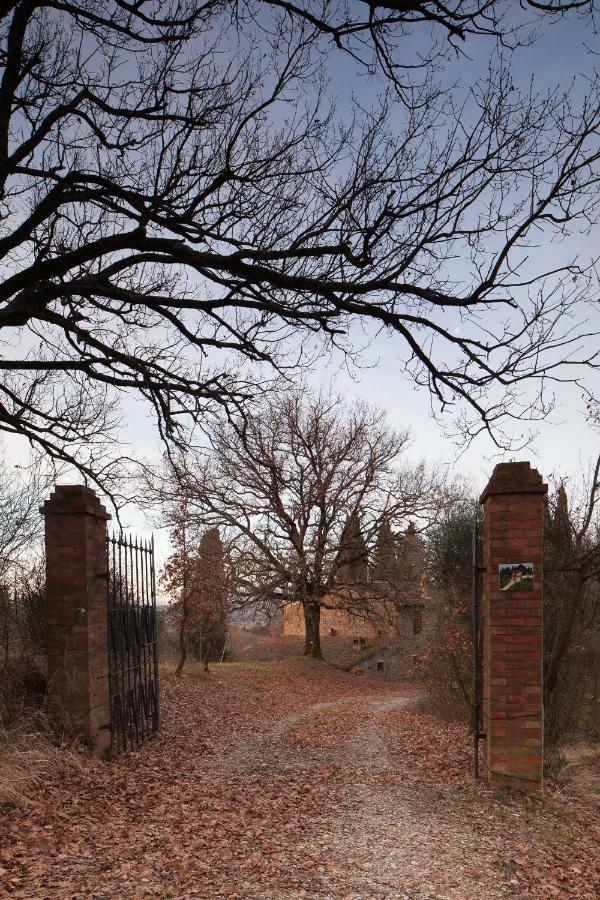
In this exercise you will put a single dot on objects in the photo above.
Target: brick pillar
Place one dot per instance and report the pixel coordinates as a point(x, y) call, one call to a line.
point(76, 590)
point(513, 504)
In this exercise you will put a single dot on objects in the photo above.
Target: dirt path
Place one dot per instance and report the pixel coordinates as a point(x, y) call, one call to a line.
point(281, 783)
point(396, 841)
point(384, 839)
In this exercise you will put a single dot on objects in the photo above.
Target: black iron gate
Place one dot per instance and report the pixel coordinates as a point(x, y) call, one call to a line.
point(132, 647)
point(477, 648)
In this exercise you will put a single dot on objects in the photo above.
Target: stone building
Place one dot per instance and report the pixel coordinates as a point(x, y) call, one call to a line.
point(386, 617)
point(338, 621)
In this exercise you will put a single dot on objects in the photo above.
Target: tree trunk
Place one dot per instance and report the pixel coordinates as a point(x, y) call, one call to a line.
point(182, 645)
point(459, 679)
point(206, 654)
point(562, 643)
point(312, 622)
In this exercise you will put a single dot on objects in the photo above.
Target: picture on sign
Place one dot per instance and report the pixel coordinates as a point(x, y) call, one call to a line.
point(515, 576)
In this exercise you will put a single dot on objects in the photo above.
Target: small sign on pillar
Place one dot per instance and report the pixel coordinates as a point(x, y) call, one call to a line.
point(515, 576)
point(513, 718)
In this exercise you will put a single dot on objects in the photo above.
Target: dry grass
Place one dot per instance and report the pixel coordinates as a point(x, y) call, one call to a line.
point(578, 774)
point(28, 758)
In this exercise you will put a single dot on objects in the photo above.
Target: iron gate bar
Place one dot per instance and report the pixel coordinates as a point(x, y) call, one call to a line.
point(475, 655)
point(133, 651)
point(477, 571)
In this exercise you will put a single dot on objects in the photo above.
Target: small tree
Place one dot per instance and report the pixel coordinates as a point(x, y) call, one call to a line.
point(211, 587)
point(201, 583)
point(353, 561)
point(178, 577)
point(447, 660)
point(385, 562)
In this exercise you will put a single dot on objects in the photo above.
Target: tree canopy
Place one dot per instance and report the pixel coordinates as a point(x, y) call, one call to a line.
point(180, 195)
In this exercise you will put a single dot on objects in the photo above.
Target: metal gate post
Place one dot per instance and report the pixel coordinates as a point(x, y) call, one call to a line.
point(132, 642)
point(76, 591)
point(476, 732)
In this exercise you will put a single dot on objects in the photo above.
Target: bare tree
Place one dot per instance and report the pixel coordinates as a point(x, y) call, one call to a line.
point(21, 493)
point(447, 659)
point(22, 581)
point(572, 609)
point(289, 485)
point(172, 208)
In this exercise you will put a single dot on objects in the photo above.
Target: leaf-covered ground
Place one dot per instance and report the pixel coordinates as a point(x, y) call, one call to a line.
point(289, 780)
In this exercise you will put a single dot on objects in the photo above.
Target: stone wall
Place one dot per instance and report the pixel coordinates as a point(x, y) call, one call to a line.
point(390, 643)
point(340, 623)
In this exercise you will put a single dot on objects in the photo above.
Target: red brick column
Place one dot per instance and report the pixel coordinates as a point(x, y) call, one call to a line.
point(76, 590)
point(513, 505)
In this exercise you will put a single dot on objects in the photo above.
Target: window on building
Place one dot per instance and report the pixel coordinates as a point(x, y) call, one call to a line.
point(333, 632)
point(380, 666)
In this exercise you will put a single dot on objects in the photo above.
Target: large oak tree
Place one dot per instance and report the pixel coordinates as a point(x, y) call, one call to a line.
point(302, 488)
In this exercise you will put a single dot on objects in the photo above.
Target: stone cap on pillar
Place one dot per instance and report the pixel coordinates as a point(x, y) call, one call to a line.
point(69, 499)
point(514, 478)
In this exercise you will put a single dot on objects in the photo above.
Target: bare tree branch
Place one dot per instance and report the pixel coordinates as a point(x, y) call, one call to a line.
point(180, 196)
